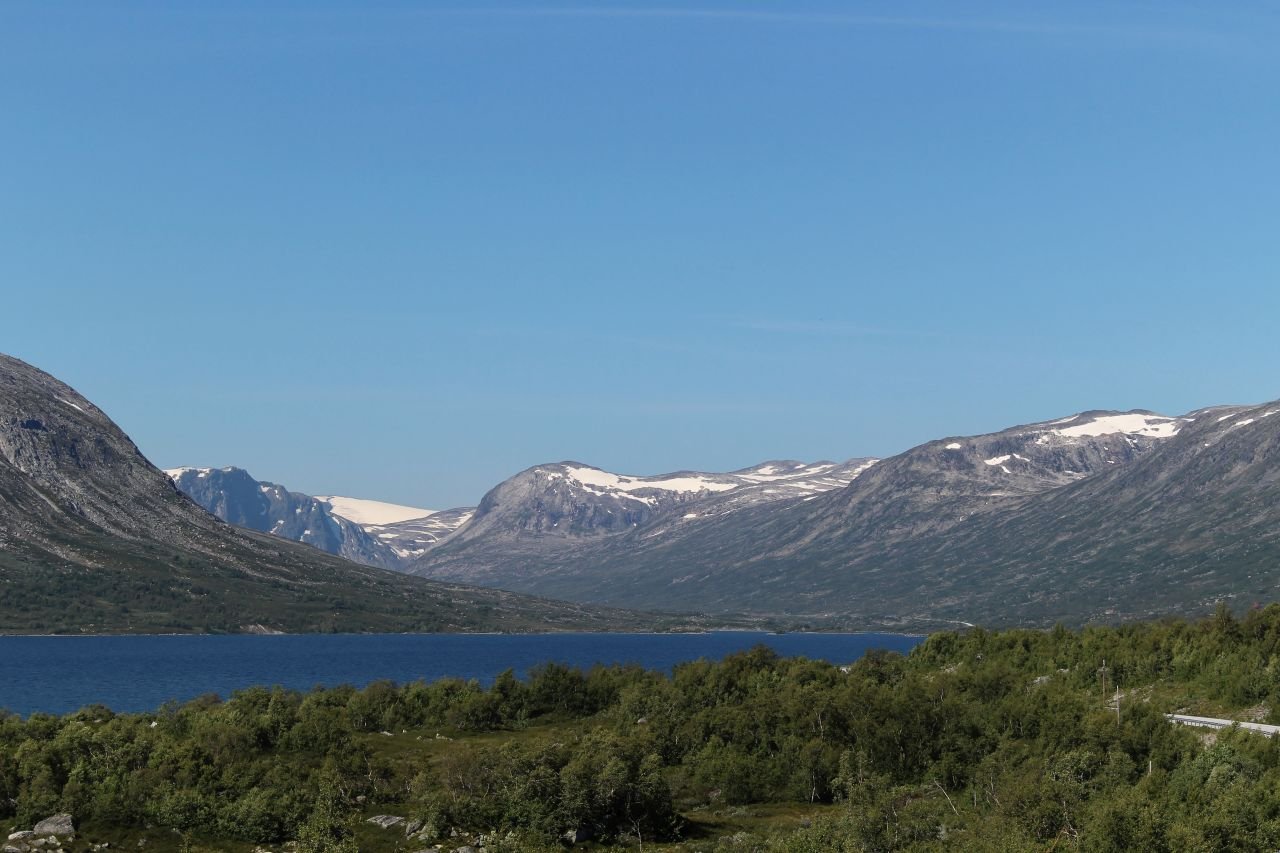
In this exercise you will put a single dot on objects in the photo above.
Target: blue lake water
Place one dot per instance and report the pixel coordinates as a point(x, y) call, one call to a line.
point(62, 674)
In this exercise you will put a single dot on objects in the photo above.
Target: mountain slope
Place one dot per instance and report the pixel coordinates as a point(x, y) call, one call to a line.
point(234, 496)
point(552, 513)
point(94, 538)
point(1098, 516)
point(1190, 524)
point(413, 537)
point(373, 533)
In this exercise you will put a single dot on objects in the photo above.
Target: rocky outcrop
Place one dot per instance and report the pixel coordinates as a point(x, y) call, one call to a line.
point(385, 821)
point(59, 824)
point(48, 836)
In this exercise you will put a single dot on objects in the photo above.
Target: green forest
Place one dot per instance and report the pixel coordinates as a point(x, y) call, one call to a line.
point(979, 740)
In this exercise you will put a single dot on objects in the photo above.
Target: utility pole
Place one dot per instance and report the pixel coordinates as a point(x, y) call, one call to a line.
point(1102, 674)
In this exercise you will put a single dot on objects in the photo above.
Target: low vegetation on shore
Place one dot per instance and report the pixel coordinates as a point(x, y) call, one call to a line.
point(978, 740)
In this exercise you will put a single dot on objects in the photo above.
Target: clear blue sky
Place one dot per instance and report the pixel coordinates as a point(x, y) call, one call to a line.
point(402, 251)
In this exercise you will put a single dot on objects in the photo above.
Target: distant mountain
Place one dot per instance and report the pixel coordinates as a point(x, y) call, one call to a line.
point(808, 556)
point(549, 514)
point(236, 497)
point(413, 537)
point(93, 538)
point(546, 509)
point(373, 533)
point(1096, 516)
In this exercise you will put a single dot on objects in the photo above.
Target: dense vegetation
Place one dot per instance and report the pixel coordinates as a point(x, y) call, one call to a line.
point(978, 740)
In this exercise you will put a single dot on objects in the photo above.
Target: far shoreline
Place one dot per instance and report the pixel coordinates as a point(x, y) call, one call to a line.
point(576, 633)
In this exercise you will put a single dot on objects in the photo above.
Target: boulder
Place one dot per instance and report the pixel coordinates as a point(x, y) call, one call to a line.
point(22, 836)
point(385, 821)
point(412, 826)
point(59, 824)
point(576, 836)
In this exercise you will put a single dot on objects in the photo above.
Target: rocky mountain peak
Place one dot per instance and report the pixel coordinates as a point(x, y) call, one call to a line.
point(233, 495)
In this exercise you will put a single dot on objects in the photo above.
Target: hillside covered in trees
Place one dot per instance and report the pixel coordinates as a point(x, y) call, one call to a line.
point(993, 741)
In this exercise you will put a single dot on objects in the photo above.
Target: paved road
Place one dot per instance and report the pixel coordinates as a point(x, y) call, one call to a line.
point(1216, 723)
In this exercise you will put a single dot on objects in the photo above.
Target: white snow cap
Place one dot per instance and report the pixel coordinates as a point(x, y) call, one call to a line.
point(781, 479)
point(372, 512)
point(175, 473)
point(1134, 423)
point(606, 480)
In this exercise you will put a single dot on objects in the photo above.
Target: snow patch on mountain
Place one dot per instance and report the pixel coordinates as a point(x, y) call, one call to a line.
point(365, 512)
point(1152, 426)
point(773, 473)
point(603, 479)
point(176, 473)
point(413, 537)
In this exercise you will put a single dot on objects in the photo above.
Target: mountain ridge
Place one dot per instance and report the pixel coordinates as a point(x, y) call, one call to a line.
point(94, 539)
point(1099, 515)
point(891, 547)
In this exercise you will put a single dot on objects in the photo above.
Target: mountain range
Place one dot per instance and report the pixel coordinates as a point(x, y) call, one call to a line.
point(546, 508)
point(1098, 516)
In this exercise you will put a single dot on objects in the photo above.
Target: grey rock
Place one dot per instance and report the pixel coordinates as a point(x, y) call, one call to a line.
point(59, 824)
point(412, 826)
point(385, 821)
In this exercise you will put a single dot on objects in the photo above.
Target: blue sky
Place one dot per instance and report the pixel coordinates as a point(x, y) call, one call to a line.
point(402, 251)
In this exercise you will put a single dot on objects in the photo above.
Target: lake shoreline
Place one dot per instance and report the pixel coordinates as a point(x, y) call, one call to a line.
point(138, 673)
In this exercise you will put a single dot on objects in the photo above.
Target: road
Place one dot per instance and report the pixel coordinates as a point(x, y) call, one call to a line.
point(1217, 723)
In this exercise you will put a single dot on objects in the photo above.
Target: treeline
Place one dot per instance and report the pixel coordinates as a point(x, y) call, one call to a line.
point(978, 740)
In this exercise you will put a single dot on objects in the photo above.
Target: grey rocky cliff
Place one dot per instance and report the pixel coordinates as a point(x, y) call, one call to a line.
point(234, 496)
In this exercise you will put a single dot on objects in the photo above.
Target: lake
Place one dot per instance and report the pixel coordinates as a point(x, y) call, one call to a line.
point(140, 673)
